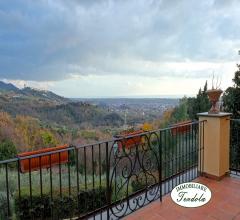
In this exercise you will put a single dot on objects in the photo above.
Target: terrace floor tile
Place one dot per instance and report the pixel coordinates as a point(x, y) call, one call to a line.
point(224, 204)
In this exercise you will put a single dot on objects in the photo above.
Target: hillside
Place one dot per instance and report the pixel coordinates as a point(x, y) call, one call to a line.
point(79, 114)
point(9, 91)
point(7, 87)
point(43, 95)
point(33, 119)
point(52, 109)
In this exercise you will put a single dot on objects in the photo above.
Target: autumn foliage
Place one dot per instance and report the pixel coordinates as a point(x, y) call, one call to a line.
point(29, 133)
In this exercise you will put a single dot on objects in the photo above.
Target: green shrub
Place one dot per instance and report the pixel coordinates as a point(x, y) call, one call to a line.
point(7, 150)
point(137, 185)
point(3, 205)
point(144, 182)
point(12, 183)
point(60, 207)
point(48, 138)
point(89, 135)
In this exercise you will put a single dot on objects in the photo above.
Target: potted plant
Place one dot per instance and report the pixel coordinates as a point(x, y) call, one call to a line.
point(43, 158)
point(214, 95)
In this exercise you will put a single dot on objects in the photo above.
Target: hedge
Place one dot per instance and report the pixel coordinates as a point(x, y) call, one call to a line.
point(59, 207)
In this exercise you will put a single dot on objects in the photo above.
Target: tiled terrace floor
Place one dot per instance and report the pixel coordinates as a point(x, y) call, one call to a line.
point(224, 205)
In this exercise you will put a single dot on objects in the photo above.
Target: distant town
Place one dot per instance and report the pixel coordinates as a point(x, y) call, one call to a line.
point(135, 110)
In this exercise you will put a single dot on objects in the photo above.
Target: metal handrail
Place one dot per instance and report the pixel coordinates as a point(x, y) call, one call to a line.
point(104, 168)
point(235, 119)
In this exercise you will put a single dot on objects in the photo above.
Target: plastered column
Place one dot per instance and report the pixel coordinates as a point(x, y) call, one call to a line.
point(215, 138)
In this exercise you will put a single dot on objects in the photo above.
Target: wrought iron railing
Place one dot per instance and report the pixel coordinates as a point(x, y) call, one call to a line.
point(107, 180)
point(235, 147)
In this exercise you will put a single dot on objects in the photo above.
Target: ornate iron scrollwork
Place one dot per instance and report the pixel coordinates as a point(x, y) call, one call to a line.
point(134, 173)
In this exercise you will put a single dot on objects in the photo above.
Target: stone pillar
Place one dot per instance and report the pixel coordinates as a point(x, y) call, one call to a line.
point(216, 142)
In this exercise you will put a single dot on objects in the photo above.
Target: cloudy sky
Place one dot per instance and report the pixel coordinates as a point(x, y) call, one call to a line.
point(119, 48)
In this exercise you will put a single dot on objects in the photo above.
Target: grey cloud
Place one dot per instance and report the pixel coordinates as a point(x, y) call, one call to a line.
point(51, 40)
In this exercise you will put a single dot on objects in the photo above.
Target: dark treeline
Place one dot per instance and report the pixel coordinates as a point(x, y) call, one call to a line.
point(189, 107)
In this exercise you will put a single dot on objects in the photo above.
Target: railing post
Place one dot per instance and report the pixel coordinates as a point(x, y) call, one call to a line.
point(7, 188)
point(77, 169)
point(107, 181)
point(215, 137)
point(160, 164)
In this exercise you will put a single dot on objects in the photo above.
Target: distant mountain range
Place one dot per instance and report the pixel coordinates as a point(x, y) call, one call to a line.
point(7, 87)
point(52, 109)
point(10, 90)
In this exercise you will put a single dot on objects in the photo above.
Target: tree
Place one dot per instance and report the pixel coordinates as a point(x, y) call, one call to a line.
point(204, 103)
point(231, 97)
point(189, 107)
point(231, 103)
point(7, 150)
point(164, 121)
point(48, 139)
point(199, 104)
point(180, 113)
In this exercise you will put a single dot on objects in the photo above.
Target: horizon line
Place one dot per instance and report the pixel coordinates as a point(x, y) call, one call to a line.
point(134, 97)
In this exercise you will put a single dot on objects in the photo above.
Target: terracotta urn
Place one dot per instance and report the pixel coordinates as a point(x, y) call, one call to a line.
point(214, 95)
